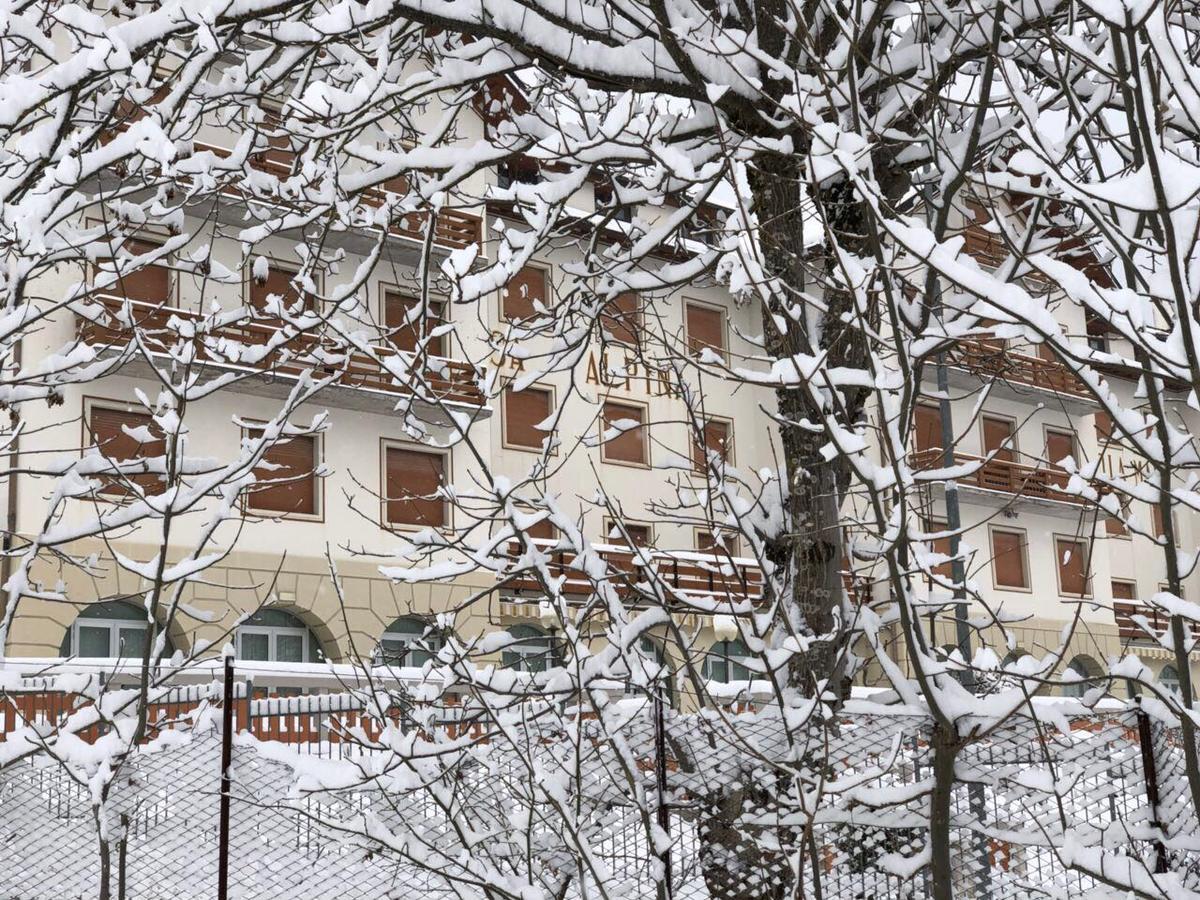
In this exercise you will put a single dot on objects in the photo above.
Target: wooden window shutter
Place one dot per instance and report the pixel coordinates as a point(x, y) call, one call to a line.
point(114, 443)
point(1124, 590)
point(411, 484)
point(716, 440)
point(995, 433)
point(639, 534)
point(296, 459)
point(403, 334)
point(705, 328)
point(543, 530)
point(521, 291)
point(707, 542)
point(523, 412)
point(1008, 559)
point(278, 281)
point(1072, 567)
point(628, 446)
point(1059, 445)
point(928, 425)
point(1114, 527)
point(622, 319)
point(1104, 427)
point(149, 284)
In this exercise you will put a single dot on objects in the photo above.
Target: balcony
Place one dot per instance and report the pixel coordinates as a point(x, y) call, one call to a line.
point(1128, 630)
point(443, 381)
point(1019, 373)
point(688, 573)
point(1005, 477)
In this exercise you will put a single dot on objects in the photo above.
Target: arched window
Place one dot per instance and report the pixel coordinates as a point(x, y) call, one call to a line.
point(274, 635)
point(108, 630)
point(650, 662)
point(1084, 667)
point(1169, 678)
point(726, 662)
point(532, 650)
point(408, 641)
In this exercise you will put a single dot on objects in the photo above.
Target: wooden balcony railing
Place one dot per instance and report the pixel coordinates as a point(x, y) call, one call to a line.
point(1018, 479)
point(690, 573)
point(991, 359)
point(447, 380)
point(1124, 611)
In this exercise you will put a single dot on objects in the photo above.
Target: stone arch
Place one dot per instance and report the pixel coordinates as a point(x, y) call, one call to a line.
point(112, 622)
point(270, 633)
point(1085, 667)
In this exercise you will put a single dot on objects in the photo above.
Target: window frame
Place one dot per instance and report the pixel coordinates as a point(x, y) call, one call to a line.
point(733, 552)
point(273, 632)
point(86, 439)
point(547, 270)
point(1014, 440)
point(508, 444)
point(152, 235)
point(1061, 431)
point(700, 467)
point(447, 470)
point(318, 439)
point(645, 429)
point(1024, 533)
point(609, 525)
point(114, 627)
point(713, 307)
point(276, 263)
point(379, 307)
point(1088, 576)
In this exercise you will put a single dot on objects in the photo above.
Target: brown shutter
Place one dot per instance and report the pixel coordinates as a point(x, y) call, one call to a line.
point(705, 328)
point(928, 424)
point(716, 440)
point(1072, 568)
point(707, 542)
point(403, 334)
point(114, 443)
point(413, 479)
point(1124, 590)
point(1059, 445)
point(278, 281)
point(629, 446)
point(1114, 527)
point(995, 433)
point(523, 412)
point(543, 530)
point(1104, 427)
point(639, 534)
point(622, 319)
point(522, 289)
point(296, 458)
point(1008, 559)
point(149, 284)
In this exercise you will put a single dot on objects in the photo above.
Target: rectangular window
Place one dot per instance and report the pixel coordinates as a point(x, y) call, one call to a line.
point(1104, 427)
point(640, 535)
point(718, 439)
point(289, 480)
point(941, 545)
point(722, 543)
point(630, 445)
point(1124, 590)
point(1010, 566)
point(278, 282)
point(705, 329)
point(406, 329)
point(928, 426)
point(411, 482)
point(147, 284)
point(108, 432)
point(998, 438)
point(1060, 445)
point(524, 411)
point(1072, 561)
point(1160, 530)
point(622, 319)
point(525, 289)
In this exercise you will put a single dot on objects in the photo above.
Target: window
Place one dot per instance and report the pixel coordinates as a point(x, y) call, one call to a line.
point(941, 546)
point(727, 661)
point(407, 329)
point(629, 444)
point(705, 327)
point(277, 282)
point(648, 666)
point(1104, 427)
point(108, 630)
point(1160, 530)
point(1072, 559)
point(1114, 526)
point(1010, 567)
point(288, 480)
point(412, 479)
point(274, 635)
point(518, 170)
point(524, 411)
point(524, 292)
point(532, 649)
point(641, 535)
point(147, 284)
point(621, 319)
point(718, 439)
point(999, 438)
point(408, 641)
point(122, 436)
point(1124, 590)
point(1060, 445)
point(1078, 671)
point(721, 543)
point(1169, 678)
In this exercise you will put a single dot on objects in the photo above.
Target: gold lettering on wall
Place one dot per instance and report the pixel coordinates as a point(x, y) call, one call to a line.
point(652, 382)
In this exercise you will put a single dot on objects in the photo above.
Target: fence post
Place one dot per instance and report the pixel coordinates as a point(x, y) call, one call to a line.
point(1150, 772)
point(226, 786)
point(660, 778)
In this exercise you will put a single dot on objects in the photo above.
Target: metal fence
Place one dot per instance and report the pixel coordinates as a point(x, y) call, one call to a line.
point(698, 806)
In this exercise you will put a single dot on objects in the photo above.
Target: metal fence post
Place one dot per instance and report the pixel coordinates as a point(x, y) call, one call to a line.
point(660, 777)
point(226, 786)
point(1150, 773)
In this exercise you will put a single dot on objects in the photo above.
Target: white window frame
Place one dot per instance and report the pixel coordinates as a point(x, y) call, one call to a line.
point(114, 627)
point(273, 632)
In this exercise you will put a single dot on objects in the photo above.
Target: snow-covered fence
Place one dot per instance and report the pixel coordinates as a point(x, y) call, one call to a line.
point(1035, 805)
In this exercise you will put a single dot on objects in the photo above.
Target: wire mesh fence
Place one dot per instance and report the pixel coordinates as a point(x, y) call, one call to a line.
point(704, 806)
